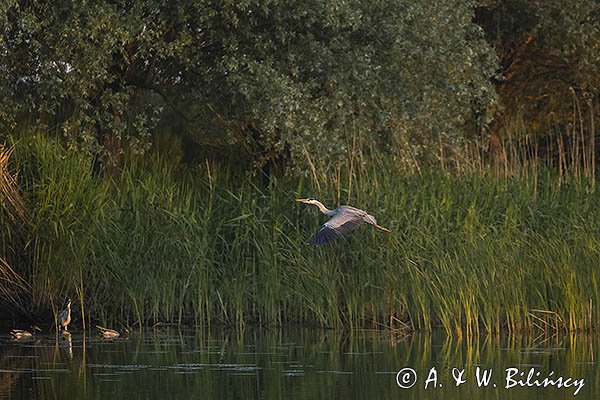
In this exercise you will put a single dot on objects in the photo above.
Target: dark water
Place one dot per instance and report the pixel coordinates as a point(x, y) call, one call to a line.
point(293, 364)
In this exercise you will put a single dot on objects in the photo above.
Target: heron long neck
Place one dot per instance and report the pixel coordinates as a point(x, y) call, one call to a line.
point(324, 209)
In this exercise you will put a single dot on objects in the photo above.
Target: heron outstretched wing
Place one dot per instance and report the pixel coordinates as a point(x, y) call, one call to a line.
point(347, 219)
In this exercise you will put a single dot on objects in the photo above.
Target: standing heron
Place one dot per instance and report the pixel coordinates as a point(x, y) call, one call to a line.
point(343, 220)
point(64, 317)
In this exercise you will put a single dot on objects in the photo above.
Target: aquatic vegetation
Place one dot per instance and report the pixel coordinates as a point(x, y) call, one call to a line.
point(471, 253)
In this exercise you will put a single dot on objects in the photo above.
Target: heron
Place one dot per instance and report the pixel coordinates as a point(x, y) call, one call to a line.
point(21, 334)
point(64, 317)
point(342, 220)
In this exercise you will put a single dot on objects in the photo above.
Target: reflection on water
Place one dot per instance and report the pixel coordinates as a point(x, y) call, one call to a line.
point(292, 364)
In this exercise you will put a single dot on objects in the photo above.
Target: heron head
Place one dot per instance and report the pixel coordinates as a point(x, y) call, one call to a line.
point(307, 201)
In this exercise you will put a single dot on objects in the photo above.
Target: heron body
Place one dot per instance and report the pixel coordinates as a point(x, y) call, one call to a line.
point(64, 317)
point(342, 220)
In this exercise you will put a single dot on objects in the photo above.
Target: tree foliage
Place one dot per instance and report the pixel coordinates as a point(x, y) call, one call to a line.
point(549, 54)
point(291, 82)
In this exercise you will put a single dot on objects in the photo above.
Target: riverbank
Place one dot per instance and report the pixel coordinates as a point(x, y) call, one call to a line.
point(168, 243)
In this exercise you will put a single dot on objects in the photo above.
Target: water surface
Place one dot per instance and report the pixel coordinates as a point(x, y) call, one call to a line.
point(294, 364)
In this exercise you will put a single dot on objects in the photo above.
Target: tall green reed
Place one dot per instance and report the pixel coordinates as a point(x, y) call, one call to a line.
point(469, 253)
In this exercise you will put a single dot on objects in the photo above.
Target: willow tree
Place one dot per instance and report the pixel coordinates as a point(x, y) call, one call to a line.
point(549, 54)
point(289, 82)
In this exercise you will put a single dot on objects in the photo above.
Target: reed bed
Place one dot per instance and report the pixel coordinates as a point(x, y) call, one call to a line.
point(471, 253)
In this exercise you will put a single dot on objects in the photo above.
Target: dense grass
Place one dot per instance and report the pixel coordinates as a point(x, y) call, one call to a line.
point(470, 253)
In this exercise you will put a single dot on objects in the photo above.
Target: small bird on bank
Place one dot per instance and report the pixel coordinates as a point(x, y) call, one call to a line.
point(21, 334)
point(343, 220)
point(108, 333)
point(64, 317)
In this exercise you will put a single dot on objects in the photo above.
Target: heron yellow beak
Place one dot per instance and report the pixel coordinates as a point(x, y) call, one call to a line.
point(302, 200)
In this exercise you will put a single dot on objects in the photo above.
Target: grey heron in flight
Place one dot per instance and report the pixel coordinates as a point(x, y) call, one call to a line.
point(343, 220)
